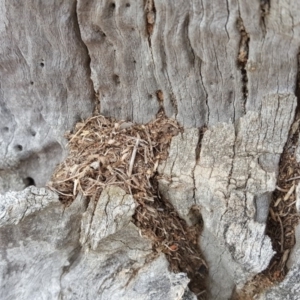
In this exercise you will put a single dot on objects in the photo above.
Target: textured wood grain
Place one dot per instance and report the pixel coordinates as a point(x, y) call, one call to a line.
point(228, 64)
point(273, 48)
point(42, 257)
point(121, 60)
point(45, 85)
point(231, 182)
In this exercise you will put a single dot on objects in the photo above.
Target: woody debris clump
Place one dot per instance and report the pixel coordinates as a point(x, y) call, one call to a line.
point(102, 152)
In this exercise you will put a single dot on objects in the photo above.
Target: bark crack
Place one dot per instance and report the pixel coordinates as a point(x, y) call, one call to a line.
point(206, 93)
point(150, 17)
point(228, 14)
point(283, 216)
point(197, 158)
point(87, 234)
point(264, 9)
point(243, 59)
point(186, 25)
point(86, 50)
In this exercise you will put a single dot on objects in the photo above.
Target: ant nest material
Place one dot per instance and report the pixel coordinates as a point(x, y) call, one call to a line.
point(103, 152)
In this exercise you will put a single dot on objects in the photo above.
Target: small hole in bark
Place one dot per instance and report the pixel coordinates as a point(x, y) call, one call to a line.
point(113, 5)
point(116, 79)
point(19, 147)
point(33, 133)
point(42, 64)
point(28, 181)
point(134, 61)
point(127, 4)
point(5, 129)
point(31, 82)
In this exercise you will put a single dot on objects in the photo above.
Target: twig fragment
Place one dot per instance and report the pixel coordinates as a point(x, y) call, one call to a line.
point(133, 155)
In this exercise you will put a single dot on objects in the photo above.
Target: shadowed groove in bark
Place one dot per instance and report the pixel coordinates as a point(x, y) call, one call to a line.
point(283, 216)
point(264, 8)
point(171, 235)
point(179, 242)
point(243, 58)
point(88, 62)
point(150, 17)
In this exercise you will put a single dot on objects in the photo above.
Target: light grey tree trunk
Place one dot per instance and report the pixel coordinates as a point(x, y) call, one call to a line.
point(228, 66)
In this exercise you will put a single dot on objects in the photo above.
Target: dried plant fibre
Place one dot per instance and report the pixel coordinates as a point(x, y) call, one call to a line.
point(102, 152)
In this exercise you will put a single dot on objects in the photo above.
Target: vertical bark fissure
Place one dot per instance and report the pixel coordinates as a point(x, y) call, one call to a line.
point(150, 20)
point(197, 157)
point(283, 216)
point(87, 234)
point(243, 58)
point(283, 241)
point(186, 25)
point(228, 14)
point(73, 256)
point(172, 95)
point(191, 260)
point(150, 11)
point(297, 90)
point(205, 91)
point(173, 99)
point(264, 8)
point(232, 163)
point(84, 46)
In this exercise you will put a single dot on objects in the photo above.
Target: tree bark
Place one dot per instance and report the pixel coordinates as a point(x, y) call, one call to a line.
point(227, 71)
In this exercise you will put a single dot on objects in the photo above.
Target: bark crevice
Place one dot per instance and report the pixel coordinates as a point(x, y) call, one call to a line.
point(86, 50)
point(205, 91)
point(264, 9)
point(243, 59)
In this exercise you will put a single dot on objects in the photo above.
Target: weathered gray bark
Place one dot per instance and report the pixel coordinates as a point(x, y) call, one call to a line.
point(45, 86)
point(229, 65)
point(42, 257)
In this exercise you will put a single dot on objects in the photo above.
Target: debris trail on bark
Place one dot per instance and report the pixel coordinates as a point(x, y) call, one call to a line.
point(282, 220)
point(283, 216)
point(103, 152)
